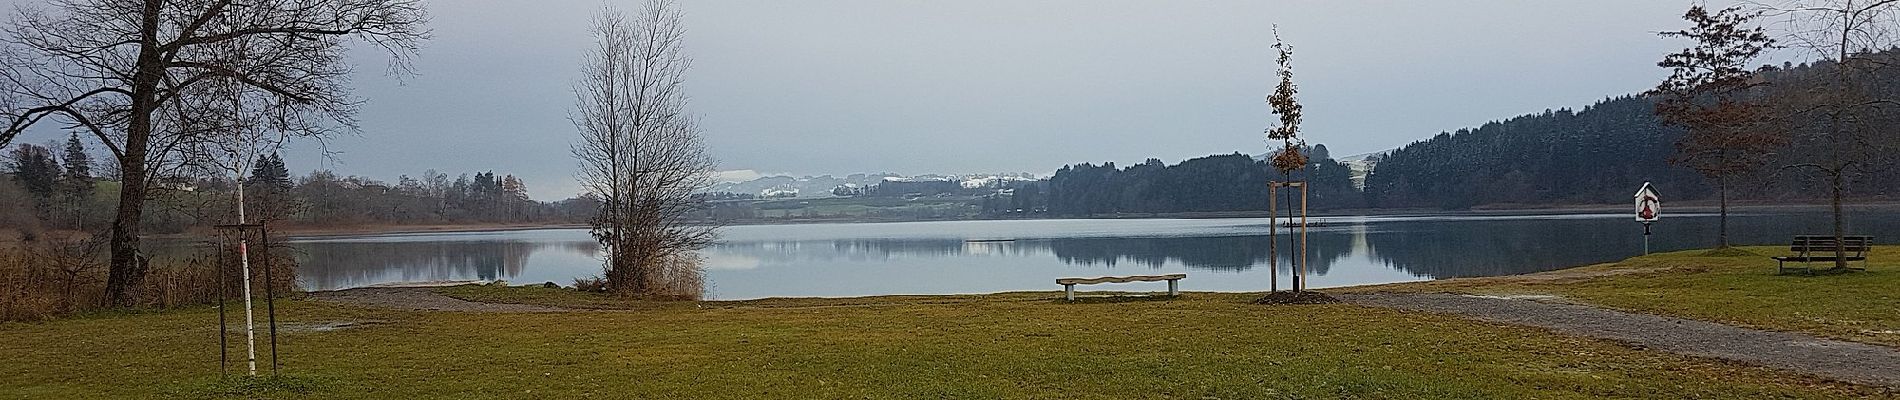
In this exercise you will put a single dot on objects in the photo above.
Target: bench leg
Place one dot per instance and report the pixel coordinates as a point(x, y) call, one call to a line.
point(1069, 291)
point(1173, 288)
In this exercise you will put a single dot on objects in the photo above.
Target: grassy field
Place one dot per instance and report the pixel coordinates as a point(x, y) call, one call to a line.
point(1012, 345)
point(1737, 286)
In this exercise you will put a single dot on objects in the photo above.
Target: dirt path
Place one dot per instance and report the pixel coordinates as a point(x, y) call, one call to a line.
point(419, 298)
point(1847, 361)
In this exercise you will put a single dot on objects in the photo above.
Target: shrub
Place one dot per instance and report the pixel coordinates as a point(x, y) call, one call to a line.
point(55, 277)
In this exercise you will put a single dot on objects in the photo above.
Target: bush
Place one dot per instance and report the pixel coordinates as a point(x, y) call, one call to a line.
point(675, 278)
point(592, 284)
point(55, 277)
point(678, 278)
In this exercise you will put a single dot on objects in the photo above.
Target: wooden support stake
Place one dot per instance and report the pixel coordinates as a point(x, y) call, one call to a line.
point(224, 353)
point(1302, 238)
point(270, 296)
point(1273, 237)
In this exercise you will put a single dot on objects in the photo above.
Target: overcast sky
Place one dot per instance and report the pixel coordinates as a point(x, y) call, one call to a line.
point(837, 87)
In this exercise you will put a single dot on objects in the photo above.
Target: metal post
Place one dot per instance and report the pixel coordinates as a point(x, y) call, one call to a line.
point(1645, 238)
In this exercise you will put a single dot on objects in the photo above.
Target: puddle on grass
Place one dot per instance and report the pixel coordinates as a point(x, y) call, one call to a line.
point(1516, 296)
point(323, 326)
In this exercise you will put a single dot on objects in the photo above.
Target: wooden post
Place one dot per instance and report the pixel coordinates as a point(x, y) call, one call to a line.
point(224, 353)
point(270, 296)
point(1069, 291)
point(1173, 287)
point(1302, 237)
point(1273, 237)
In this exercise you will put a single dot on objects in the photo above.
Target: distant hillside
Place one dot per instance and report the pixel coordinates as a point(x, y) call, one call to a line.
point(1218, 183)
point(1600, 154)
point(822, 186)
point(1361, 165)
point(1597, 155)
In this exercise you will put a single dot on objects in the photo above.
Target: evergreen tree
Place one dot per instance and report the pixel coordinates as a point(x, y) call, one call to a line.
point(78, 162)
point(269, 173)
point(77, 184)
point(267, 190)
point(36, 170)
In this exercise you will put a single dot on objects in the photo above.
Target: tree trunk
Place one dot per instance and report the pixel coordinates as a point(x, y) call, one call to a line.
point(1721, 234)
point(128, 269)
point(1840, 233)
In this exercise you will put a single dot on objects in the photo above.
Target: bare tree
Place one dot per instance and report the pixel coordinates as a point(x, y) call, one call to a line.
point(642, 153)
point(1708, 93)
point(1839, 113)
point(140, 75)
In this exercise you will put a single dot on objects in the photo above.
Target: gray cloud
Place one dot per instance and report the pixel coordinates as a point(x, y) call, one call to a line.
point(975, 86)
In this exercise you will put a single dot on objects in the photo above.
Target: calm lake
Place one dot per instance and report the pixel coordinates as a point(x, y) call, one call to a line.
point(992, 256)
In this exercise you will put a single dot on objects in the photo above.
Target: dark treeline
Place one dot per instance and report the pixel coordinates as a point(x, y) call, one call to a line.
point(1232, 182)
point(322, 198)
point(40, 191)
point(1596, 155)
point(1602, 153)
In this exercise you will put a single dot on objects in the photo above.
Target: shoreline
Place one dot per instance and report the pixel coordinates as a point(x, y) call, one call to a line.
point(323, 232)
point(1690, 207)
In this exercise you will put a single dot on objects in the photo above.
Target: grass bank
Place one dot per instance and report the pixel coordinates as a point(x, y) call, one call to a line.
point(1737, 286)
point(1010, 345)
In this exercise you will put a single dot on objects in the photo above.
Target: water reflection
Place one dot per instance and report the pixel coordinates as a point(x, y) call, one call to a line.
point(989, 256)
point(328, 265)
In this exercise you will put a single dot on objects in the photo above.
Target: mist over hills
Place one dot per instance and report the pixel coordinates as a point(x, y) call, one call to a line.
point(823, 186)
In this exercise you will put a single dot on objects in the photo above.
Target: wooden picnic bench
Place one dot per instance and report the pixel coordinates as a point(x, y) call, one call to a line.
point(1174, 288)
point(1809, 249)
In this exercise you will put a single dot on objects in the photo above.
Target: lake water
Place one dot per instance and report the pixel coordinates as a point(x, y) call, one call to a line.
point(992, 256)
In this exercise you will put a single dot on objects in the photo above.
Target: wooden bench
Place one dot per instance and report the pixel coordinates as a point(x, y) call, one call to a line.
point(1174, 288)
point(1809, 249)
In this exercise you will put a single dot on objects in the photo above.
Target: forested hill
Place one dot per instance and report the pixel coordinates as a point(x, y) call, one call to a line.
point(1597, 155)
point(1602, 154)
point(1231, 182)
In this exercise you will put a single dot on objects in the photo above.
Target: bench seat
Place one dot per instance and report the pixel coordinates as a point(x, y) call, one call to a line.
point(1818, 258)
point(1068, 284)
point(1824, 248)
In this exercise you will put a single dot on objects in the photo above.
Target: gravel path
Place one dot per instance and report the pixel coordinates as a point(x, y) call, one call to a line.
point(1847, 361)
point(419, 298)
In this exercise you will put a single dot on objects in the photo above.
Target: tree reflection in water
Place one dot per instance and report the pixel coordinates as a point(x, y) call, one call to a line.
point(332, 265)
point(857, 261)
point(1231, 253)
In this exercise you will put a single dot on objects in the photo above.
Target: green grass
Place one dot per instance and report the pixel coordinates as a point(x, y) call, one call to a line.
point(1011, 345)
point(1735, 286)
